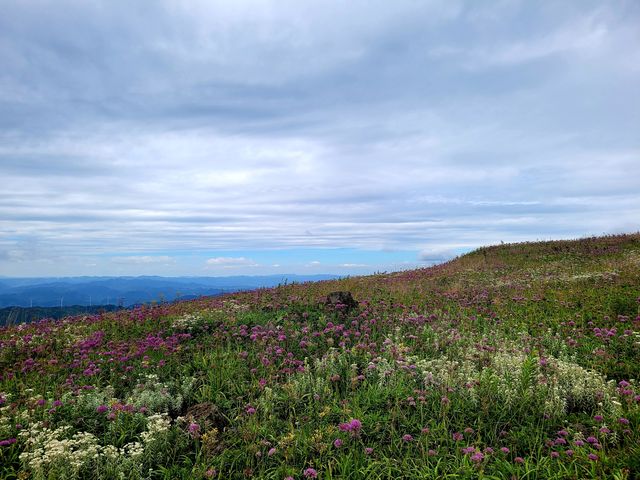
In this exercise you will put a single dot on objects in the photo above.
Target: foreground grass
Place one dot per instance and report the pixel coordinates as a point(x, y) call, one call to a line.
point(518, 361)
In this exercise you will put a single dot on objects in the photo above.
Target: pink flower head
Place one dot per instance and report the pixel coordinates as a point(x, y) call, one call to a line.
point(504, 450)
point(518, 460)
point(337, 443)
point(593, 457)
point(272, 451)
point(194, 430)
point(355, 424)
point(477, 457)
point(101, 408)
point(368, 451)
point(407, 438)
point(310, 473)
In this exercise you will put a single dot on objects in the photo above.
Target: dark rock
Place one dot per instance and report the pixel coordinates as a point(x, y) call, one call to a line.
point(207, 415)
point(342, 301)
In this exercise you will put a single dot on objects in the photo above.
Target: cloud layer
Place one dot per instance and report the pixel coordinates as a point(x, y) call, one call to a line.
point(138, 133)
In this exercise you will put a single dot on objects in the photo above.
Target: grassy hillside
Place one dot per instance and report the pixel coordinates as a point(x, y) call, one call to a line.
point(514, 361)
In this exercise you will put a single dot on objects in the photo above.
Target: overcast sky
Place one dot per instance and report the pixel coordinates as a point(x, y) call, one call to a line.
point(225, 137)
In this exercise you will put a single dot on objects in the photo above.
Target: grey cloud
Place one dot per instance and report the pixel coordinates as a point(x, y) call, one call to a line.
point(402, 125)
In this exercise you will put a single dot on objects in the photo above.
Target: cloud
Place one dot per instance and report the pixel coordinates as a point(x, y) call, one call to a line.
point(376, 126)
point(144, 260)
point(436, 255)
point(353, 265)
point(230, 262)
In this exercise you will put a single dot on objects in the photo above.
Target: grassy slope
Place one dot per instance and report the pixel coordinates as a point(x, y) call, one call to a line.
point(512, 346)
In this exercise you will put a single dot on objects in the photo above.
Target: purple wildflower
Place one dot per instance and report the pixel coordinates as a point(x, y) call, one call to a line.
point(194, 430)
point(310, 473)
point(477, 457)
point(355, 424)
point(337, 443)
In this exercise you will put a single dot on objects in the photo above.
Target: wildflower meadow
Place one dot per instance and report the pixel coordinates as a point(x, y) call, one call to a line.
point(518, 361)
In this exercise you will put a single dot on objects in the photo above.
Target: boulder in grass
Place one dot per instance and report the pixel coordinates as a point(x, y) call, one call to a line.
point(342, 301)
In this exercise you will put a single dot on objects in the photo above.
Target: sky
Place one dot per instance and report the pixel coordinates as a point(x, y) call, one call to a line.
point(301, 136)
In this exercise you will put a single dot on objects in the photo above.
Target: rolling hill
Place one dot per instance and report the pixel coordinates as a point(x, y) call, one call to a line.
point(513, 361)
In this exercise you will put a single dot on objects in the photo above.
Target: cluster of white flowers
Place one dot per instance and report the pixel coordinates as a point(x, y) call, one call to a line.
point(513, 375)
point(5, 422)
point(49, 450)
point(443, 372)
point(189, 322)
point(234, 306)
point(157, 426)
point(58, 450)
point(303, 385)
point(577, 387)
point(90, 400)
point(159, 397)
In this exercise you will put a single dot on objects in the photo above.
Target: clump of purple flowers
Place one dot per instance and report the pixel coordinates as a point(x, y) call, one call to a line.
point(354, 426)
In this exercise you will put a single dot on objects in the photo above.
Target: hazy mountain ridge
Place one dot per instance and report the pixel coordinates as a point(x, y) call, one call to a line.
point(127, 291)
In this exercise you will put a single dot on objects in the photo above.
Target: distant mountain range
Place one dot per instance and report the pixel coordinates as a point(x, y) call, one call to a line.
point(127, 291)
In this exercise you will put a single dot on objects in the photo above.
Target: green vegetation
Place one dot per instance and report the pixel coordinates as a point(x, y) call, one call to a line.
point(516, 361)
